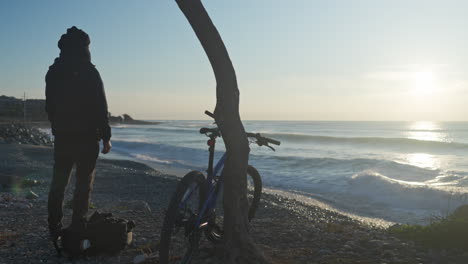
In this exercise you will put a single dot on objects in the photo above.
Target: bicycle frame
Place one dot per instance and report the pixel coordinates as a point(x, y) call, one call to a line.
point(214, 181)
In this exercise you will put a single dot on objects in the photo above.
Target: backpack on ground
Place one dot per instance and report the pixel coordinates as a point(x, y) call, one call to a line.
point(102, 233)
point(108, 234)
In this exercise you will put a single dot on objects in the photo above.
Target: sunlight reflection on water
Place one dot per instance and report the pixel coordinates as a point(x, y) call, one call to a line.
point(428, 131)
point(423, 160)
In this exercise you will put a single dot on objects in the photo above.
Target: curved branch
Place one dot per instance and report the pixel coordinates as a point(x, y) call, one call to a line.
point(211, 42)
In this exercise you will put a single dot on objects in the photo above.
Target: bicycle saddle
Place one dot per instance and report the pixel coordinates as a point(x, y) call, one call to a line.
point(205, 130)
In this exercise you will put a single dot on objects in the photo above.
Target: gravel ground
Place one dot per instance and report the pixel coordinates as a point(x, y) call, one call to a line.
point(286, 230)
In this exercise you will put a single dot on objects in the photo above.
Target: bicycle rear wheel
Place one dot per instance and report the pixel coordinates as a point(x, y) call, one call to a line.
point(214, 232)
point(180, 235)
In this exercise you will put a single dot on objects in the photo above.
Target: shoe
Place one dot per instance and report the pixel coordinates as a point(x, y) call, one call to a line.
point(55, 231)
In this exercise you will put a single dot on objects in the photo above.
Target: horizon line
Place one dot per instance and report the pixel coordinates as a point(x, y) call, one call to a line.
point(311, 120)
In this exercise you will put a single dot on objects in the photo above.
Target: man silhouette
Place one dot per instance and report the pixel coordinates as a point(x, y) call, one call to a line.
point(77, 109)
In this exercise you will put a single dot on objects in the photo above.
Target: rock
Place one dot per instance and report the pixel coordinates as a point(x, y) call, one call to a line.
point(386, 245)
point(23, 134)
point(23, 205)
point(31, 195)
point(8, 181)
point(144, 257)
point(347, 247)
point(350, 243)
point(29, 183)
point(325, 251)
point(6, 197)
point(136, 205)
point(139, 259)
point(375, 243)
point(388, 253)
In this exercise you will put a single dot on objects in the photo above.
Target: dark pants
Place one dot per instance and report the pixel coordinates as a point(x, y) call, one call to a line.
point(68, 152)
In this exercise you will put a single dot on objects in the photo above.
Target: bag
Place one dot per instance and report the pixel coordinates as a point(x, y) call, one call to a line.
point(102, 233)
point(108, 234)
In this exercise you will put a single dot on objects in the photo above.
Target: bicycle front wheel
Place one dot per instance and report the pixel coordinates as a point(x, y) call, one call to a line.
point(180, 235)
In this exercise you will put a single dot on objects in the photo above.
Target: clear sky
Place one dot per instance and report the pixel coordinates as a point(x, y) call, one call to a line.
point(295, 59)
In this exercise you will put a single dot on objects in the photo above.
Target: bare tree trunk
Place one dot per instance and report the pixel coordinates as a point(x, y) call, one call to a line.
point(239, 247)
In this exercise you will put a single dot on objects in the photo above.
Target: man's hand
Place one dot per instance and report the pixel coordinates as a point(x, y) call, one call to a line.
point(106, 147)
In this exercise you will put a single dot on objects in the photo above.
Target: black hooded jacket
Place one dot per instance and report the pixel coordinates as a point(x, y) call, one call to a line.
point(75, 100)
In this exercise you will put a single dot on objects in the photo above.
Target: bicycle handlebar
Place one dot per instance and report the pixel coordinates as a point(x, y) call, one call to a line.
point(272, 141)
point(261, 140)
point(208, 113)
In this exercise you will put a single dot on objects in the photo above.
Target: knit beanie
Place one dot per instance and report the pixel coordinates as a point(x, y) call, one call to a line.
point(74, 46)
point(74, 39)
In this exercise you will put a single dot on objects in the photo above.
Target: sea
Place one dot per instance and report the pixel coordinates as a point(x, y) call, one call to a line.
point(403, 172)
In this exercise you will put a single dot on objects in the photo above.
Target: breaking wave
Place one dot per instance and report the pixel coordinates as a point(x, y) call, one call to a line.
point(376, 141)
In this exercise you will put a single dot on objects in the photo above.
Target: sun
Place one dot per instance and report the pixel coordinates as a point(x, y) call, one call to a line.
point(423, 82)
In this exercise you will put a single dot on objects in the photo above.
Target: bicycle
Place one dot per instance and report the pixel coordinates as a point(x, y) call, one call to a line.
point(193, 205)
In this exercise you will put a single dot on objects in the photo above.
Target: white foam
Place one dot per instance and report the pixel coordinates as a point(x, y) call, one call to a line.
point(151, 158)
point(396, 196)
point(308, 200)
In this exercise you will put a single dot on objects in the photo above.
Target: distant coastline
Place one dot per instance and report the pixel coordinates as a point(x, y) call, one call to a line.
point(33, 110)
point(127, 119)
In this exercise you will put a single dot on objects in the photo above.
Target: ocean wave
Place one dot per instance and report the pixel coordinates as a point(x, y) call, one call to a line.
point(130, 140)
point(153, 159)
point(302, 167)
point(378, 141)
point(332, 168)
point(172, 129)
point(159, 128)
point(380, 188)
point(142, 145)
point(183, 157)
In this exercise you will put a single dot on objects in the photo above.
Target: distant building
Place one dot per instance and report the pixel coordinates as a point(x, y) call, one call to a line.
point(35, 110)
point(14, 108)
point(10, 107)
